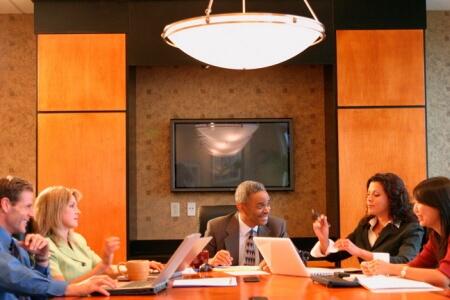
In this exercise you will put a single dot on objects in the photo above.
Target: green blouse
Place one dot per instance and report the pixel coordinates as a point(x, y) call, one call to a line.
point(71, 262)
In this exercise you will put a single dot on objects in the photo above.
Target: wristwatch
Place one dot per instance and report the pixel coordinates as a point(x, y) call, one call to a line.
point(403, 271)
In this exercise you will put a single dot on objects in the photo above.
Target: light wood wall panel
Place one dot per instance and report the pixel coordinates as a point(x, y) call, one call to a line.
point(377, 140)
point(380, 67)
point(81, 72)
point(87, 151)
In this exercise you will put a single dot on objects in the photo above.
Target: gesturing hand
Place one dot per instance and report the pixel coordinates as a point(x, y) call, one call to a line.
point(37, 245)
point(347, 245)
point(222, 258)
point(156, 265)
point(375, 267)
point(321, 228)
point(111, 245)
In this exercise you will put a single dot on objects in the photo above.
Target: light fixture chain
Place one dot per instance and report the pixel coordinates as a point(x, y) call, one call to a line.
point(208, 10)
point(311, 10)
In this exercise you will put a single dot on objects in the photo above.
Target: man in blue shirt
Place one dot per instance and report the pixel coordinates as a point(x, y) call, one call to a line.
point(21, 278)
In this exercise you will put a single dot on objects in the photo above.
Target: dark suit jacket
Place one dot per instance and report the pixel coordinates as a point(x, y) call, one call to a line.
point(403, 243)
point(225, 233)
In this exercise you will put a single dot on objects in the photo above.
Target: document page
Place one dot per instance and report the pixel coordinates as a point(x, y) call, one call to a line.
point(241, 270)
point(236, 268)
point(390, 284)
point(216, 281)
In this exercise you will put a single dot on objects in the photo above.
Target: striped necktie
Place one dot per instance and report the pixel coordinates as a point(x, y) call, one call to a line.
point(250, 250)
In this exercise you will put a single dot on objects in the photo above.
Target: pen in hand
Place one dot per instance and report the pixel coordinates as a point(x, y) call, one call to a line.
point(316, 217)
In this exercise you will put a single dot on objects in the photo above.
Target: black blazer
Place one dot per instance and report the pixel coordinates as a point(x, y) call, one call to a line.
point(403, 243)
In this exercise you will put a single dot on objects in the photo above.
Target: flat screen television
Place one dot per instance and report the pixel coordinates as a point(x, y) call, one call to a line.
point(218, 154)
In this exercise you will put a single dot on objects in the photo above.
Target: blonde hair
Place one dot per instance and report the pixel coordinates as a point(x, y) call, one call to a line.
point(49, 207)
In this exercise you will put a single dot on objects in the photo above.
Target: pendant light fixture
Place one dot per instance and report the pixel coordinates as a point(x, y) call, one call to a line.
point(244, 40)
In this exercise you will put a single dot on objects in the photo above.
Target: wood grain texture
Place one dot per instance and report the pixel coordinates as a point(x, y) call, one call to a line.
point(87, 152)
point(81, 72)
point(380, 67)
point(276, 287)
point(377, 140)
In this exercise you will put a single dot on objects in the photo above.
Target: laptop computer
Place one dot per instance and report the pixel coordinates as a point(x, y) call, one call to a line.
point(282, 258)
point(156, 285)
point(198, 246)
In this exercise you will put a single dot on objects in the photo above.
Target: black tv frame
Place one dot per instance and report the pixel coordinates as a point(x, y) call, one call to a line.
point(174, 122)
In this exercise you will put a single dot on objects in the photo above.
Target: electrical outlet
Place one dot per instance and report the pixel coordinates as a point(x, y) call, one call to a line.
point(174, 209)
point(191, 209)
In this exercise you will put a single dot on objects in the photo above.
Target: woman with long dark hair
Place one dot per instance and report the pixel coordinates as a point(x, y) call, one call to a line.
point(432, 207)
point(389, 226)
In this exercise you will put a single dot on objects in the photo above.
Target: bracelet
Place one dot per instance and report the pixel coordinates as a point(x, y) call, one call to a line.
point(403, 271)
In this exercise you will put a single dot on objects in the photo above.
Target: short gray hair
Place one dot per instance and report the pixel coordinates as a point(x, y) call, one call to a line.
point(245, 189)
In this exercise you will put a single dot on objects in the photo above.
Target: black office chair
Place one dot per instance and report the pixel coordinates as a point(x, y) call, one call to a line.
point(208, 212)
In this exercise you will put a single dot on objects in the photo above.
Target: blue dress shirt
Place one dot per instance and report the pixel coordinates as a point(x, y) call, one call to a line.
point(20, 278)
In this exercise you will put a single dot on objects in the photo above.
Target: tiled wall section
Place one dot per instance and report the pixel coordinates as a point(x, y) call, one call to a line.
point(17, 96)
point(438, 92)
point(192, 92)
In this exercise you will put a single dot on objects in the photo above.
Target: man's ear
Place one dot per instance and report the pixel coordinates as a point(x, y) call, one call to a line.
point(5, 204)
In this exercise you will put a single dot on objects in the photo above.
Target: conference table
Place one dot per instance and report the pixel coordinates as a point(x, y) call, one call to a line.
point(278, 287)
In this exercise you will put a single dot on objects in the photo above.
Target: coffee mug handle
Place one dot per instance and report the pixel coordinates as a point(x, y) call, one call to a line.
point(122, 264)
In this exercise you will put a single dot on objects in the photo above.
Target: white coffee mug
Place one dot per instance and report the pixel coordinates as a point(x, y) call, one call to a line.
point(383, 256)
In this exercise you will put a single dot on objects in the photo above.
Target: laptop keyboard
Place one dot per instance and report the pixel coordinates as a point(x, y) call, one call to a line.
point(137, 284)
point(335, 281)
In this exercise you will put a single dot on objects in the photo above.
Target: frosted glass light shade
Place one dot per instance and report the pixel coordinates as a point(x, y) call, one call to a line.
point(244, 40)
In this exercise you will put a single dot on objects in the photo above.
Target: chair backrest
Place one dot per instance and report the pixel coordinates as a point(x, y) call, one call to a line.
point(208, 212)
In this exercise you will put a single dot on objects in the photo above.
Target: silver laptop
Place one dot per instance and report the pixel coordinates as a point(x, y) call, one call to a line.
point(198, 246)
point(282, 258)
point(155, 285)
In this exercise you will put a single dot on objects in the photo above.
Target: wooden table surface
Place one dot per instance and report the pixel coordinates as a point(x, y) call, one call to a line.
point(279, 287)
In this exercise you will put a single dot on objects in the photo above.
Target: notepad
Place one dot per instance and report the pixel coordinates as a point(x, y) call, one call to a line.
point(236, 268)
point(216, 281)
point(247, 273)
point(393, 284)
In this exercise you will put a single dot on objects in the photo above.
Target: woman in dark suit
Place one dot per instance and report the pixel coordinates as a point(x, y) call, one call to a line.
point(389, 226)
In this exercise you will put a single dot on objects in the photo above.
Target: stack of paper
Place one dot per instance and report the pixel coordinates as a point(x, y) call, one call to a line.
point(236, 268)
point(215, 281)
point(390, 284)
point(242, 270)
point(323, 271)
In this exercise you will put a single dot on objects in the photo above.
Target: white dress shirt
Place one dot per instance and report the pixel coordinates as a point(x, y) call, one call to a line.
point(372, 236)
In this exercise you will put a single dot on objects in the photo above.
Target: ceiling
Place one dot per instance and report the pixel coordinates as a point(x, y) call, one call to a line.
point(26, 6)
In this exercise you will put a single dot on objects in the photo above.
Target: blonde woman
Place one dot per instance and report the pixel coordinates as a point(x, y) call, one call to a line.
point(71, 259)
